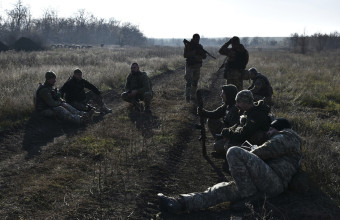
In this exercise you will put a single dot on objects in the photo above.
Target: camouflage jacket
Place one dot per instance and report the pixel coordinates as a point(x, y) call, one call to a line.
point(252, 126)
point(261, 86)
point(138, 81)
point(237, 56)
point(229, 113)
point(46, 97)
point(194, 54)
point(282, 153)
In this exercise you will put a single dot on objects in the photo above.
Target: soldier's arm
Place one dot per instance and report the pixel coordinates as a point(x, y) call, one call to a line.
point(91, 87)
point(146, 85)
point(217, 113)
point(273, 148)
point(127, 84)
point(188, 51)
point(46, 96)
point(258, 85)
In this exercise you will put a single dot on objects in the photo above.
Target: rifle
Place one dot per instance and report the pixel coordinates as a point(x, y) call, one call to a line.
point(185, 41)
point(223, 64)
point(202, 121)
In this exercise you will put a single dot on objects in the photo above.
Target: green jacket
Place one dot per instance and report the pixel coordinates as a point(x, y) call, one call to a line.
point(46, 97)
point(138, 81)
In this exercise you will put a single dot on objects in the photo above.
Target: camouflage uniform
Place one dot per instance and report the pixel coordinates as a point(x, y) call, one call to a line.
point(252, 126)
point(267, 169)
point(194, 55)
point(234, 68)
point(138, 81)
point(261, 88)
point(49, 104)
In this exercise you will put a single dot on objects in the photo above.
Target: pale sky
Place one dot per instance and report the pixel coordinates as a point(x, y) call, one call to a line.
point(209, 18)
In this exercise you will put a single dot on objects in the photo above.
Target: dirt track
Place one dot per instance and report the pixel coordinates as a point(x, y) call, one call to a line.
point(154, 164)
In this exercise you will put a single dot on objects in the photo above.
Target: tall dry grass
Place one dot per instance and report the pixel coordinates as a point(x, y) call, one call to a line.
point(107, 68)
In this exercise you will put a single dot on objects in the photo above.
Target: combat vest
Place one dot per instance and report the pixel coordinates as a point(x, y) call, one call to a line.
point(39, 104)
point(267, 90)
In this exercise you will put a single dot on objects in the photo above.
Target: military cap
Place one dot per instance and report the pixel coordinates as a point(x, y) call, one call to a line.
point(50, 75)
point(280, 124)
point(245, 96)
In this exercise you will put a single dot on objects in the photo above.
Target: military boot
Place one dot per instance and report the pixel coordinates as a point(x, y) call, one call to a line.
point(171, 204)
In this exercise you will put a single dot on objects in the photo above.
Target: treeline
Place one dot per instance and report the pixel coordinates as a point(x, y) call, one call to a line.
point(316, 42)
point(84, 28)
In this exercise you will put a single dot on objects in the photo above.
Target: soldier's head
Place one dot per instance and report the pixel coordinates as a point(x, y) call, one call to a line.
point(134, 67)
point(228, 94)
point(50, 77)
point(235, 40)
point(78, 74)
point(252, 73)
point(244, 100)
point(278, 125)
point(196, 38)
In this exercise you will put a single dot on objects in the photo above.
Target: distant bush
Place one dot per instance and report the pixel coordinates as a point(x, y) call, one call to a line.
point(26, 44)
point(3, 47)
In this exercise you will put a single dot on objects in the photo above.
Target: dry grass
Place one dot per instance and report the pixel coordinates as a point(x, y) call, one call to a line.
point(89, 175)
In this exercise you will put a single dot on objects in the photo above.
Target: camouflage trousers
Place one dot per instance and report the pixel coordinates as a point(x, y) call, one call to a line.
point(67, 113)
point(251, 175)
point(234, 77)
point(146, 97)
point(215, 127)
point(82, 106)
point(192, 76)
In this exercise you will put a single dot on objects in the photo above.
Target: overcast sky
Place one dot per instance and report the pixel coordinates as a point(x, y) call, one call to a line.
point(209, 18)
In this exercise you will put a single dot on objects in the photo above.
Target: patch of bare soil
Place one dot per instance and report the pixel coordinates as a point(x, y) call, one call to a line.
point(151, 153)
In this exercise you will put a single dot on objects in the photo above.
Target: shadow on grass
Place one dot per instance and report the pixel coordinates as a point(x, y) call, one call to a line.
point(144, 122)
point(40, 131)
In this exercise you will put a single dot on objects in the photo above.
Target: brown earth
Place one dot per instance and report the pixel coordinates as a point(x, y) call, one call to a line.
point(148, 154)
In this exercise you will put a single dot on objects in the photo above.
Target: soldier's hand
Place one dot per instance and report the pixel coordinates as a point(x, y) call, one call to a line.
point(133, 92)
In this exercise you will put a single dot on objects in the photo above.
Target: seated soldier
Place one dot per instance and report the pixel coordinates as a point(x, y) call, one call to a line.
point(228, 111)
point(265, 171)
point(138, 88)
point(260, 87)
point(253, 124)
point(48, 103)
point(75, 95)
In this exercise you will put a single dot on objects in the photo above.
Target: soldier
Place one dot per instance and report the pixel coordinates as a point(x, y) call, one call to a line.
point(48, 103)
point(75, 95)
point(228, 111)
point(260, 87)
point(138, 87)
point(237, 60)
point(265, 170)
point(253, 124)
point(194, 54)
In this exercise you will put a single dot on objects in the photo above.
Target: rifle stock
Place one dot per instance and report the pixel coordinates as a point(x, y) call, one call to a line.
point(185, 41)
point(202, 121)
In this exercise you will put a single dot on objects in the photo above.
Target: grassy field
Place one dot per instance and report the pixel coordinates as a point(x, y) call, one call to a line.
point(103, 161)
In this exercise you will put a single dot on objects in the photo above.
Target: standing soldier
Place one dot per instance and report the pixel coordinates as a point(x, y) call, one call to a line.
point(138, 88)
point(48, 103)
point(237, 60)
point(260, 87)
point(264, 171)
point(194, 54)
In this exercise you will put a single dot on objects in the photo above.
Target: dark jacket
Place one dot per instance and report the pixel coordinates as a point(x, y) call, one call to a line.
point(194, 53)
point(261, 86)
point(237, 56)
point(138, 81)
point(74, 90)
point(46, 97)
point(255, 124)
point(229, 113)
